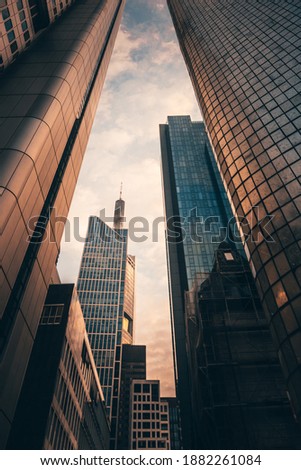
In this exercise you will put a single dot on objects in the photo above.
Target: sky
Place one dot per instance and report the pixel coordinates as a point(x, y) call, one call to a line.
point(147, 81)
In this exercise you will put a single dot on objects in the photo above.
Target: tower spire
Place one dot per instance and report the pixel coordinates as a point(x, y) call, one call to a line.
point(119, 218)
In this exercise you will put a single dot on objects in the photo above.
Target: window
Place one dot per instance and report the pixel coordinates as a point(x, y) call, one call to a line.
point(13, 47)
point(127, 323)
point(11, 36)
point(20, 4)
point(229, 256)
point(52, 315)
point(5, 13)
point(8, 25)
point(155, 393)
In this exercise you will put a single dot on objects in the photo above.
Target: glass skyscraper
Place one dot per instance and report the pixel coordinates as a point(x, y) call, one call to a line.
point(106, 291)
point(244, 61)
point(198, 217)
point(48, 99)
point(222, 345)
point(204, 211)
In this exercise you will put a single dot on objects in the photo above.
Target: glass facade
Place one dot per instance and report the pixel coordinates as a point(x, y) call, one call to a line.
point(106, 292)
point(203, 208)
point(199, 218)
point(238, 390)
point(244, 62)
point(48, 100)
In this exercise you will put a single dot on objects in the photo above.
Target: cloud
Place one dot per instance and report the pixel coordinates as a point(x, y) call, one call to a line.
point(125, 47)
point(147, 81)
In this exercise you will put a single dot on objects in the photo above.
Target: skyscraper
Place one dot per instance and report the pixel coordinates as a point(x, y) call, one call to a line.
point(228, 381)
point(244, 61)
point(196, 201)
point(48, 99)
point(106, 292)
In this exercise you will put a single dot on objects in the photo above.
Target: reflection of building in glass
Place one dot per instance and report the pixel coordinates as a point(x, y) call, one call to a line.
point(149, 416)
point(133, 366)
point(174, 423)
point(48, 99)
point(61, 405)
point(244, 62)
point(106, 292)
point(196, 190)
point(238, 392)
point(194, 196)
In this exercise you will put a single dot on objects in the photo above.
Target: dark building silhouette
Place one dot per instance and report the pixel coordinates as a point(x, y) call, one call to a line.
point(106, 289)
point(133, 366)
point(48, 99)
point(244, 62)
point(61, 404)
point(238, 390)
point(174, 423)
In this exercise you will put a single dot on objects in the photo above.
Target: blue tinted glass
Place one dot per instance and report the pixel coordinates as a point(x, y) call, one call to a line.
point(5, 13)
point(8, 25)
point(11, 36)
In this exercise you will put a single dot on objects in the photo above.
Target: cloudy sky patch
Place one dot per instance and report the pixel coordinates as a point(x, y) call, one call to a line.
point(146, 82)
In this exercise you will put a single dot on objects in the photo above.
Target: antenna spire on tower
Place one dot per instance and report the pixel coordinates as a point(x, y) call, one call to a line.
point(119, 217)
